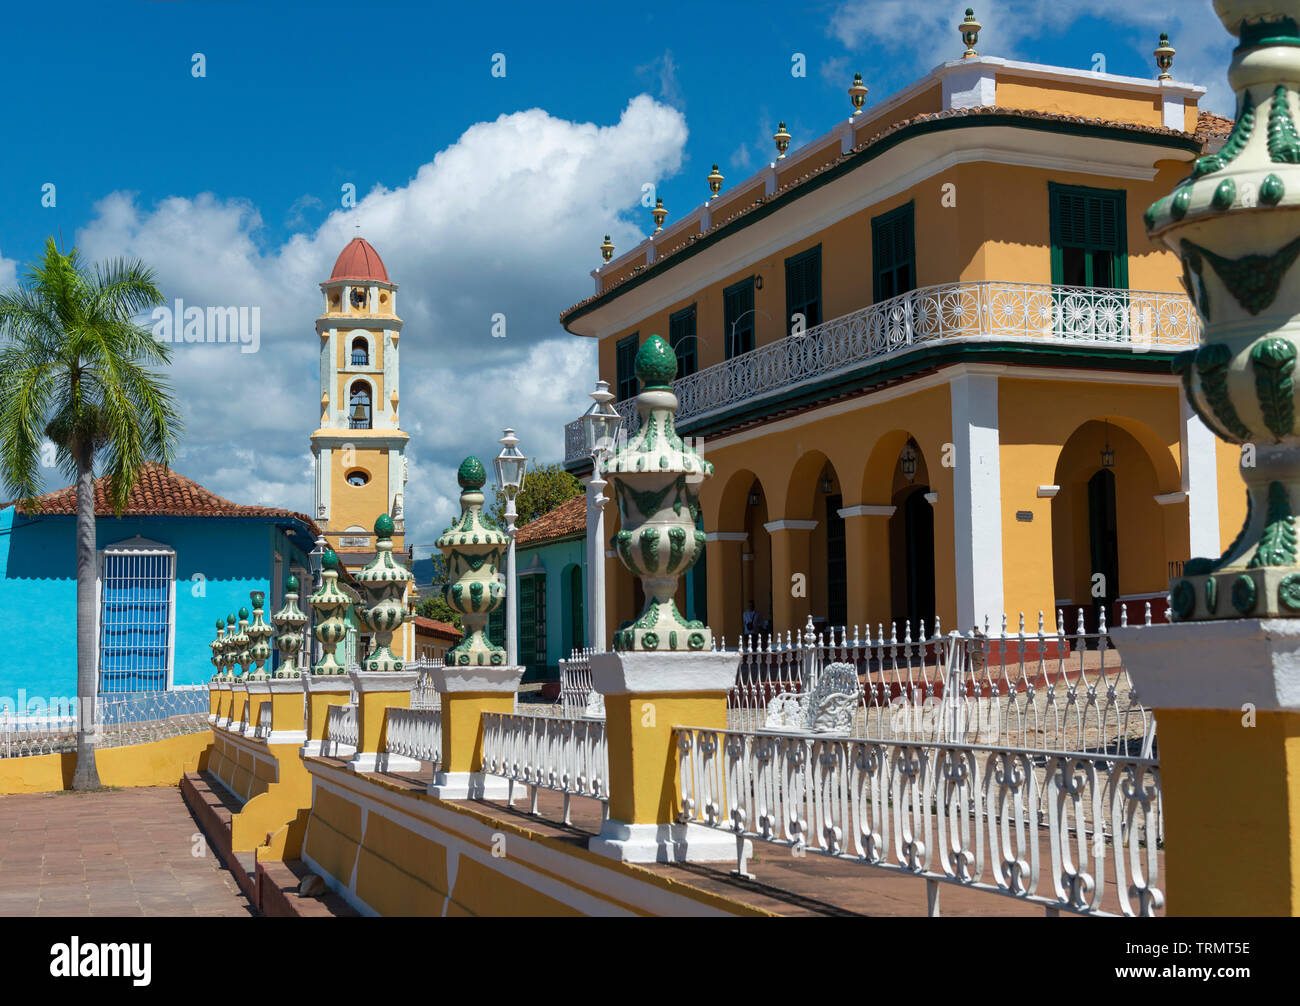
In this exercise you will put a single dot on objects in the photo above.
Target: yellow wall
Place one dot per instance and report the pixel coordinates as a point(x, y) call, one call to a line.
point(1064, 98)
point(158, 763)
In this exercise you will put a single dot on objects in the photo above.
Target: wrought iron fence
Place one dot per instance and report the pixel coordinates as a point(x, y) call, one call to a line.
point(1140, 320)
point(962, 814)
point(568, 756)
point(122, 718)
point(415, 733)
point(424, 695)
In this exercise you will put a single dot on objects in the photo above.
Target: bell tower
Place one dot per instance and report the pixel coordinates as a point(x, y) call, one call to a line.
point(359, 449)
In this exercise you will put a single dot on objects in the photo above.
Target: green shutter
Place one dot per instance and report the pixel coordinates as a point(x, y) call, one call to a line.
point(528, 620)
point(1093, 220)
point(893, 253)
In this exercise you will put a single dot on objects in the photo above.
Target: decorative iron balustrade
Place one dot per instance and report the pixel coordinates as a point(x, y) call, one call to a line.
point(1061, 691)
point(577, 698)
point(424, 695)
point(962, 814)
point(568, 756)
point(1139, 320)
point(415, 733)
point(122, 718)
point(340, 738)
point(263, 729)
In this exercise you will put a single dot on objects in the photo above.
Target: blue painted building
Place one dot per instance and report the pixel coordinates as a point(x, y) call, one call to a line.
point(550, 564)
point(177, 559)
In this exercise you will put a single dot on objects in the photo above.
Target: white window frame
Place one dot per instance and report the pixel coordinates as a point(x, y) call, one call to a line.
point(137, 546)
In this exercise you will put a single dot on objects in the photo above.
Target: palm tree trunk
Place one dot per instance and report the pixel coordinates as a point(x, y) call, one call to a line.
point(87, 774)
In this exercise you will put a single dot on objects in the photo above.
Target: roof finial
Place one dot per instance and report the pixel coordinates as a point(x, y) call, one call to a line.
point(857, 94)
point(970, 33)
point(1164, 54)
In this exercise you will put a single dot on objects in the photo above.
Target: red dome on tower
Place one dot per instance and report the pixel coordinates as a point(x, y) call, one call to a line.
point(359, 261)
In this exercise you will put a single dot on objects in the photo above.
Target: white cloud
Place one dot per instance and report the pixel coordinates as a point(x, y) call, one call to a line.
point(1204, 48)
point(8, 273)
point(507, 219)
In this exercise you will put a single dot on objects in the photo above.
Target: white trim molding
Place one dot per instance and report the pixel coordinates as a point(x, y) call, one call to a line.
point(772, 526)
point(1048, 492)
point(931, 497)
point(1165, 499)
point(1200, 463)
point(726, 536)
point(866, 510)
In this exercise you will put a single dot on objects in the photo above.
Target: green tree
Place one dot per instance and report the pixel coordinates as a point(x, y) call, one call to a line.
point(435, 606)
point(75, 368)
point(545, 488)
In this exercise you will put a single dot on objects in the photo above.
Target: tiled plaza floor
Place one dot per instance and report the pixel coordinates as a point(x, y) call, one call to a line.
point(130, 852)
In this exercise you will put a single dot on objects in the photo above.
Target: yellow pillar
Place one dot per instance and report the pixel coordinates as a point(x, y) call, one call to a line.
point(323, 691)
point(646, 696)
point(469, 691)
point(377, 692)
point(791, 559)
point(866, 549)
point(1226, 696)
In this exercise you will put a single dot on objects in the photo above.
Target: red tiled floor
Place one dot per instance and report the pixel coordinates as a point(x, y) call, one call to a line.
point(115, 853)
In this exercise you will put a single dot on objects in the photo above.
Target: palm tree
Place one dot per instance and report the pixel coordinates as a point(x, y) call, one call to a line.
point(75, 368)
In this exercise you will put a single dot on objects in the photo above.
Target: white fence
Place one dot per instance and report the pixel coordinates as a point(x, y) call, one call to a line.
point(1139, 320)
point(424, 695)
point(1062, 691)
point(263, 728)
point(415, 733)
point(340, 740)
point(961, 814)
point(576, 695)
point(122, 718)
point(568, 756)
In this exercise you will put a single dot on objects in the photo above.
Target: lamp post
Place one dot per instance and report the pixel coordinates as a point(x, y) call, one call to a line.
point(600, 425)
point(511, 465)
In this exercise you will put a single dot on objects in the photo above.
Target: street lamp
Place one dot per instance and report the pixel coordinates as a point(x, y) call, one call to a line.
point(511, 465)
point(600, 426)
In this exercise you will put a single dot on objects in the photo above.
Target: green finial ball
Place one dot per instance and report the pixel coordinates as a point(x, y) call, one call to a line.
point(656, 364)
point(330, 559)
point(291, 585)
point(230, 619)
point(258, 598)
point(471, 474)
point(384, 526)
point(243, 614)
point(221, 624)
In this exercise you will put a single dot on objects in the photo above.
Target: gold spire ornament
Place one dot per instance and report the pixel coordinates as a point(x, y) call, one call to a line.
point(715, 182)
point(659, 213)
point(782, 140)
point(1164, 54)
point(857, 94)
point(607, 249)
point(970, 33)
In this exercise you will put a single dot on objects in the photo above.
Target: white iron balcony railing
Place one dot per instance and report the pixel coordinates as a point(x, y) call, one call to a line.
point(1138, 320)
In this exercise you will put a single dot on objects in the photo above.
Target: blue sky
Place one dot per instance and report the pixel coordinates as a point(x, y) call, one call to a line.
point(481, 193)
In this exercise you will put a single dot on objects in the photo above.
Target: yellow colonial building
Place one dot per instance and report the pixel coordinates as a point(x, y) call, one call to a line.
point(360, 448)
point(931, 355)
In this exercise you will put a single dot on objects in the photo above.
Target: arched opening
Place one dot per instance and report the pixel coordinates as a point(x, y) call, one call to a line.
point(359, 406)
point(1108, 526)
point(360, 352)
point(911, 543)
point(817, 538)
point(744, 547)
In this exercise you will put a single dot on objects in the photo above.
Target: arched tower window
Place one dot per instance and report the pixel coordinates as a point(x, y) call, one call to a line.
point(360, 352)
point(359, 406)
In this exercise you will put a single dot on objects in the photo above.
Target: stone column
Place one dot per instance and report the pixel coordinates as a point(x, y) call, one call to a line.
point(476, 677)
point(259, 652)
point(791, 556)
point(663, 671)
point(383, 681)
point(1225, 680)
point(723, 551)
point(866, 549)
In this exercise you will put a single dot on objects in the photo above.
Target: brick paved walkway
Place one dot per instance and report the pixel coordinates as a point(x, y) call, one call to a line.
point(113, 853)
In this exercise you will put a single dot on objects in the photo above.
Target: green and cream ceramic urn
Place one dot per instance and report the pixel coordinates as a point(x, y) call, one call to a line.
point(217, 645)
point(656, 478)
point(1235, 223)
point(229, 649)
point(240, 645)
point(331, 607)
point(259, 638)
point(289, 621)
point(473, 546)
point(384, 581)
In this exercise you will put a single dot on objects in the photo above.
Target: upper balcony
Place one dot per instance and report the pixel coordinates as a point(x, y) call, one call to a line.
point(1136, 321)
